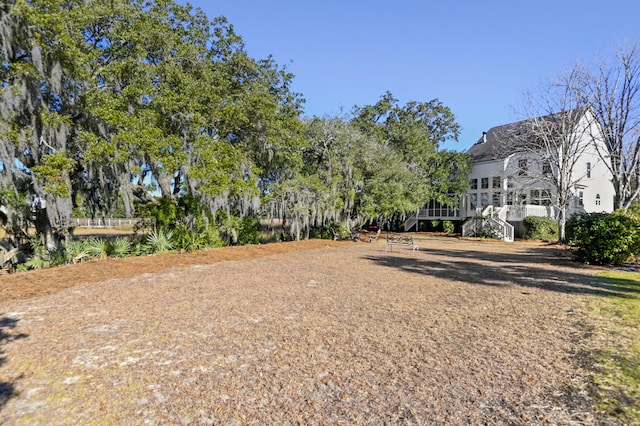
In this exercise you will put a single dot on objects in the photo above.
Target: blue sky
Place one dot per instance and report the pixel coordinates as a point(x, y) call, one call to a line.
point(477, 57)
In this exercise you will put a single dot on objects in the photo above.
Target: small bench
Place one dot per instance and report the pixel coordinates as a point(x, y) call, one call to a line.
point(401, 240)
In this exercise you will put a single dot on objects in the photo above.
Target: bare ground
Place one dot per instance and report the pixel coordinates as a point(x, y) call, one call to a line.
point(316, 332)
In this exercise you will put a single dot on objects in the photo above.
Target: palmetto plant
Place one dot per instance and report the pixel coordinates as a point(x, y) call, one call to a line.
point(75, 251)
point(40, 258)
point(120, 247)
point(97, 247)
point(159, 241)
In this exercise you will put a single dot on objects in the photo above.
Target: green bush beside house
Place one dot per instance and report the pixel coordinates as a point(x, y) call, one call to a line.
point(604, 238)
point(540, 228)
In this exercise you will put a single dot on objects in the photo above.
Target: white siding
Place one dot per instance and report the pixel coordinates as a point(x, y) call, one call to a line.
point(483, 170)
point(592, 193)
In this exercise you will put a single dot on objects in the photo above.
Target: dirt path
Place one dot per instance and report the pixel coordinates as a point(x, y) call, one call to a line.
point(461, 332)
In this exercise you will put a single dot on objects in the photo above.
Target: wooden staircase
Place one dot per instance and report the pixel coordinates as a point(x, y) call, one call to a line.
point(490, 224)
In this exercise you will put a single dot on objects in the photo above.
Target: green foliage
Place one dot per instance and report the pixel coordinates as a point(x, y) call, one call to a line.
point(328, 232)
point(120, 247)
point(239, 230)
point(164, 211)
point(540, 228)
point(224, 168)
point(97, 247)
point(603, 238)
point(40, 257)
point(76, 251)
point(408, 168)
point(448, 226)
point(378, 164)
point(196, 234)
point(250, 230)
point(52, 171)
point(437, 225)
point(34, 264)
point(633, 212)
point(190, 224)
point(155, 92)
point(159, 241)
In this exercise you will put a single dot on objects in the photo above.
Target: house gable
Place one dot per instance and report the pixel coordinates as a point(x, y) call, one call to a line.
point(508, 152)
point(507, 176)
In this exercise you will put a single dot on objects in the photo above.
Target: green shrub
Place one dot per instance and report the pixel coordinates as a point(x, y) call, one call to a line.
point(193, 227)
point(603, 238)
point(540, 228)
point(76, 251)
point(97, 247)
point(325, 232)
point(238, 230)
point(120, 247)
point(159, 241)
point(448, 226)
point(633, 212)
point(249, 230)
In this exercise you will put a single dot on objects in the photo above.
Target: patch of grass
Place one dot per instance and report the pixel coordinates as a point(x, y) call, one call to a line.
point(617, 368)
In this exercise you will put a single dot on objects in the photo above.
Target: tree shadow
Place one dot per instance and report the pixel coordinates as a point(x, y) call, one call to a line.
point(7, 387)
point(533, 268)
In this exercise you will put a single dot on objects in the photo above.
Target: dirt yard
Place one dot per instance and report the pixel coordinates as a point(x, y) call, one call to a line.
point(315, 332)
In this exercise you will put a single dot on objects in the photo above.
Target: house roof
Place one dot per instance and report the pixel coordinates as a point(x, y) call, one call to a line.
point(501, 141)
point(498, 142)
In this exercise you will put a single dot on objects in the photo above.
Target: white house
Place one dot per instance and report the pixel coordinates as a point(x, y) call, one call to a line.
point(509, 182)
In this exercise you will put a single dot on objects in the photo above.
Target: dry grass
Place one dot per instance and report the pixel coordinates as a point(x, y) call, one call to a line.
point(460, 332)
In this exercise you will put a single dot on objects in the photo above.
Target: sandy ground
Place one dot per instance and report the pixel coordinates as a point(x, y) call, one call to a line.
point(314, 332)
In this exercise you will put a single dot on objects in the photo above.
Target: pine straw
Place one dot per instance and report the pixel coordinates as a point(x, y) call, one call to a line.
point(461, 332)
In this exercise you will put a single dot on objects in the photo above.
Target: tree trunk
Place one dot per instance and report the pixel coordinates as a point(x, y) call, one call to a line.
point(562, 224)
point(46, 232)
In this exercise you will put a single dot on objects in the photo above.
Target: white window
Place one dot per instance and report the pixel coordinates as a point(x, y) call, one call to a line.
point(597, 199)
point(484, 199)
point(546, 167)
point(535, 197)
point(473, 183)
point(497, 199)
point(540, 197)
point(497, 182)
point(522, 198)
point(473, 201)
point(588, 170)
point(485, 183)
point(510, 197)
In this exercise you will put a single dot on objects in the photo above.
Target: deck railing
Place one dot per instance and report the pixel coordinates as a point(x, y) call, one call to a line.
point(105, 222)
point(488, 227)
